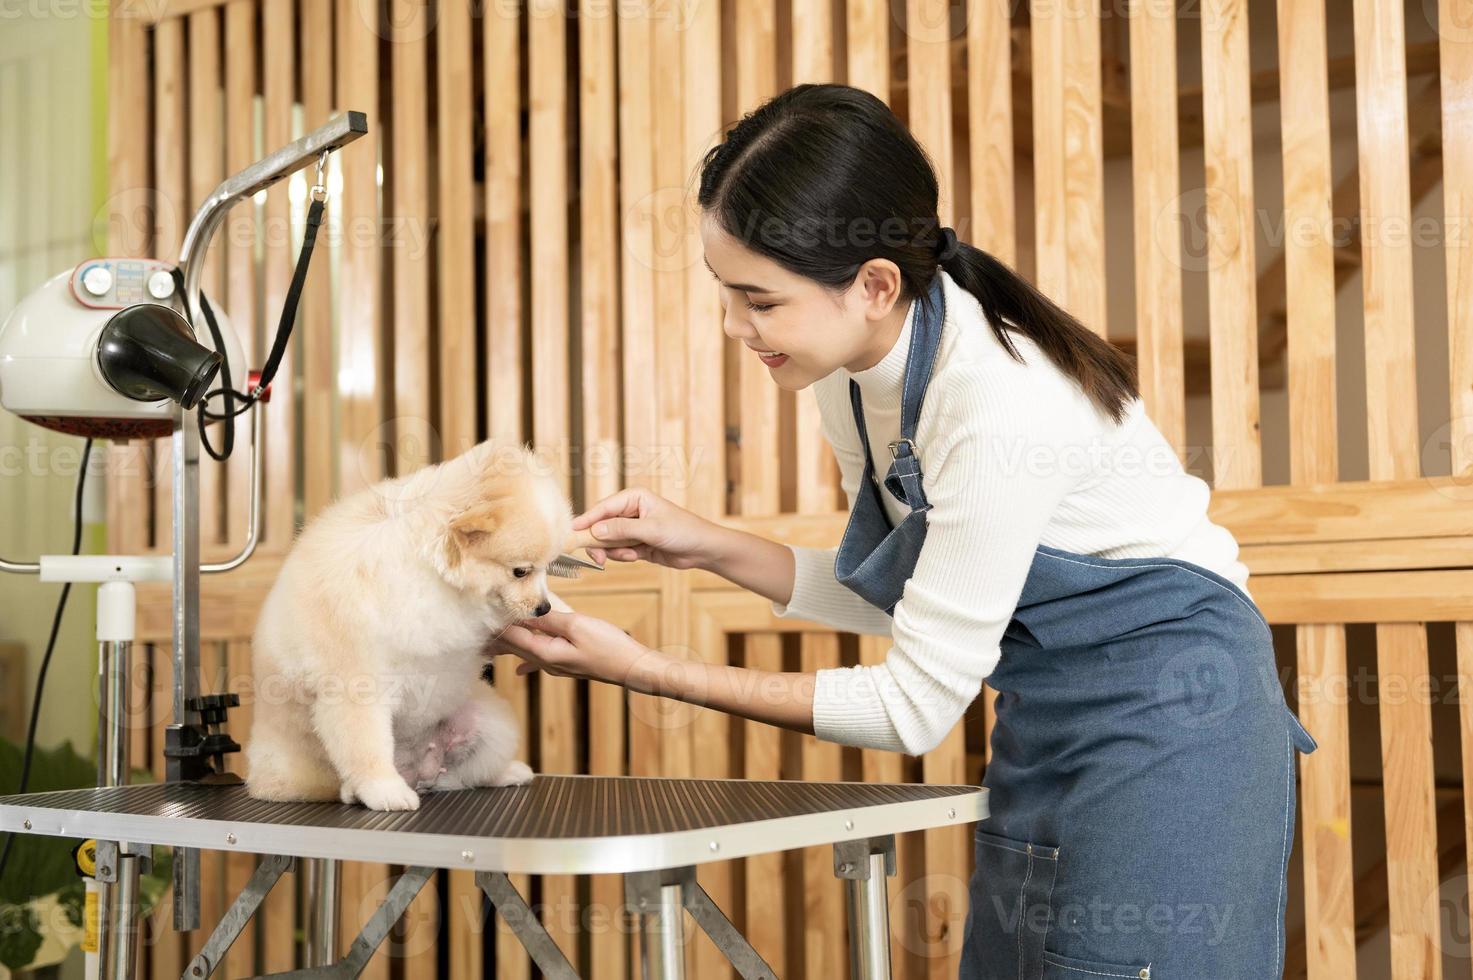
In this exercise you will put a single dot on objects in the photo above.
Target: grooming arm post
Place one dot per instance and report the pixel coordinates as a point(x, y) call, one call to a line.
point(338, 132)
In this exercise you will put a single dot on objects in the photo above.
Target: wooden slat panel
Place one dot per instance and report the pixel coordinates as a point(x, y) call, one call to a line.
point(457, 254)
point(414, 943)
point(206, 169)
point(1310, 294)
point(465, 925)
point(413, 436)
point(868, 47)
point(241, 49)
point(1455, 31)
point(703, 471)
point(1155, 164)
point(547, 122)
point(1232, 276)
point(1049, 195)
point(128, 196)
point(1411, 803)
point(171, 212)
point(767, 878)
point(278, 26)
point(1386, 256)
point(359, 299)
point(1359, 511)
point(240, 961)
point(824, 924)
point(990, 119)
point(928, 66)
point(1391, 416)
point(1084, 190)
point(504, 371)
point(1364, 597)
point(319, 373)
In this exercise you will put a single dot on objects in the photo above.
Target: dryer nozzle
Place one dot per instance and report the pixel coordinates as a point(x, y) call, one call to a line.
point(148, 352)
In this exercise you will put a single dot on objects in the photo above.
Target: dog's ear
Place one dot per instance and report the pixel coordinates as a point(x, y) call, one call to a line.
point(475, 522)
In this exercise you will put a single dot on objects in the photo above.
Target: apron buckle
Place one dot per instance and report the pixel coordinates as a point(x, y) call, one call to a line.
point(910, 448)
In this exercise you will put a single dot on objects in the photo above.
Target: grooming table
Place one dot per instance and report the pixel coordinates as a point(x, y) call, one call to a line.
point(652, 830)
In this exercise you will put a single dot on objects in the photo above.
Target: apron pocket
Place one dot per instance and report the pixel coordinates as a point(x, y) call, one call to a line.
point(1303, 741)
point(1010, 902)
point(1058, 967)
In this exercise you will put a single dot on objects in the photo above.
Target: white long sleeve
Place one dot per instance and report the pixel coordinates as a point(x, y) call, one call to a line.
point(1013, 456)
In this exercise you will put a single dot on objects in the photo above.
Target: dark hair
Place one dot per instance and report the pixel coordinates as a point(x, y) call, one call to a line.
point(823, 178)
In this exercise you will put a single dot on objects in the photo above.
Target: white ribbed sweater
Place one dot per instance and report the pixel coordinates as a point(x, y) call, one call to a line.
point(1013, 456)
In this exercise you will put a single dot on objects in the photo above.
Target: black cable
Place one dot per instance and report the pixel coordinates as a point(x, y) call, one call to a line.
point(284, 327)
point(25, 766)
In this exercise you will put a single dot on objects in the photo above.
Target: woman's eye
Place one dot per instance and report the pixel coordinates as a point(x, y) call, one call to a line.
point(759, 307)
point(521, 572)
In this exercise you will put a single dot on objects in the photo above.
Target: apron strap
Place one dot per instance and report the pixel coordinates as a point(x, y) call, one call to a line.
point(904, 476)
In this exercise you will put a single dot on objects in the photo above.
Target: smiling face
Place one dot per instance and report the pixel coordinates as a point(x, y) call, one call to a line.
point(800, 329)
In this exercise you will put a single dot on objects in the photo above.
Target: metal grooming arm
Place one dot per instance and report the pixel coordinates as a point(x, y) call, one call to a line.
point(337, 132)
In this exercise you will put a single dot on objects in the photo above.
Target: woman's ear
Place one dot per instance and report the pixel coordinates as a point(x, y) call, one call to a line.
point(879, 285)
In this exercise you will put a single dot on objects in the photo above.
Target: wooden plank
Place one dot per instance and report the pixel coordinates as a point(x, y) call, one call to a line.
point(867, 47)
point(1155, 181)
point(240, 961)
point(415, 942)
point(128, 186)
point(278, 29)
point(1351, 511)
point(319, 372)
point(1232, 278)
point(767, 879)
point(504, 368)
point(1050, 208)
point(1084, 164)
point(457, 253)
point(206, 170)
point(241, 51)
point(414, 435)
point(990, 119)
point(1411, 804)
point(358, 287)
point(702, 468)
point(1386, 256)
point(1365, 597)
point(1455, 35)
point(824, 925)
point(1390, 554)
point(170, 213)
point(466, 925)
point(547, 122)
point(1324, 809)
point(928, 66)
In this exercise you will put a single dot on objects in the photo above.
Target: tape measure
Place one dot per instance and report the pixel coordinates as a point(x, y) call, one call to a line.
point(85, 856)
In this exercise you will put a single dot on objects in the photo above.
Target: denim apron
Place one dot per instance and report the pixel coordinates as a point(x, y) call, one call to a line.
point(1143, 773)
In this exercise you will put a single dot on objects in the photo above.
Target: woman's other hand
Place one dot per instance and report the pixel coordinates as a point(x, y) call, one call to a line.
point(639, 525)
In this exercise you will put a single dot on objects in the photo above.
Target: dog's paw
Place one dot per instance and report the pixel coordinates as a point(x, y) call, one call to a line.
point(385, 794)
point(515, 774)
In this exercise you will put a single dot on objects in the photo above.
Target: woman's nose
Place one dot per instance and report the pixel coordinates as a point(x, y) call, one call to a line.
point(732, 323)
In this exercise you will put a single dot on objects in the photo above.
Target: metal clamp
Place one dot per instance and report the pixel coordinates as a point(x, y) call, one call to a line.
point(910, 448)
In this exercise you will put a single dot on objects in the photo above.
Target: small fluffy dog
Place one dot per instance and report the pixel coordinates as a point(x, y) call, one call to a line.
point(370, 645)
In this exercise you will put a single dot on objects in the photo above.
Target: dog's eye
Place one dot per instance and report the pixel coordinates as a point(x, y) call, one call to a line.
point(521, 572)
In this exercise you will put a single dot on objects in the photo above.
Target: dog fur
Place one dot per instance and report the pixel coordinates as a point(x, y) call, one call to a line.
point(370, 645)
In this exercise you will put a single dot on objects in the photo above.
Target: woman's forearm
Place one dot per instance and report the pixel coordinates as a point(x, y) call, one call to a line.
point(754, 563)
point(777, 698)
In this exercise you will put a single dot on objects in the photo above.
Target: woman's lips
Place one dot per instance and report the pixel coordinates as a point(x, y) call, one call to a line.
point(771, 358)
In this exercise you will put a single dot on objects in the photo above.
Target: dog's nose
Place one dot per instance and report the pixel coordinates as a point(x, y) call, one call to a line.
point(543, 608)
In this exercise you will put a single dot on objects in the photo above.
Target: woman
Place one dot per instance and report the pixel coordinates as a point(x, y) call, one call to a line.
point(1015, 517)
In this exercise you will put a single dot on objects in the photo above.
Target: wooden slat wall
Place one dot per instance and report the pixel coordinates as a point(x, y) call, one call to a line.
point(564, 303)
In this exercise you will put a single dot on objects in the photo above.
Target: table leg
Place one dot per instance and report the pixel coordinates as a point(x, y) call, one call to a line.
point(866, 866)
point(320, 898)
point(658, 899)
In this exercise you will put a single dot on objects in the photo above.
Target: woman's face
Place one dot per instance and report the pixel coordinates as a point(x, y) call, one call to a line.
point(799, 329)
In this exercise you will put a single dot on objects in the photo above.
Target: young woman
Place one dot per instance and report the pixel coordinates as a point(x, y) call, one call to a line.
point(1016, 517)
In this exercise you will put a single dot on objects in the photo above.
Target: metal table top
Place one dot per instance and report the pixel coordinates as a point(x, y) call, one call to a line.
point(555, 824)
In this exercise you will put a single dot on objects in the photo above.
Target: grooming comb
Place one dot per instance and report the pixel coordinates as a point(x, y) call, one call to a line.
point(571, 566)
point(567, 565)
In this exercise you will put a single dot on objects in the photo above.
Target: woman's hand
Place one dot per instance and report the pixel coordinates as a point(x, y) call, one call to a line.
point(571, 644)
point(637, 524)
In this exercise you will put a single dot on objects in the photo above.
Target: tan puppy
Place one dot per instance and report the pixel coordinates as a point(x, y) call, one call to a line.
point(370, 646)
